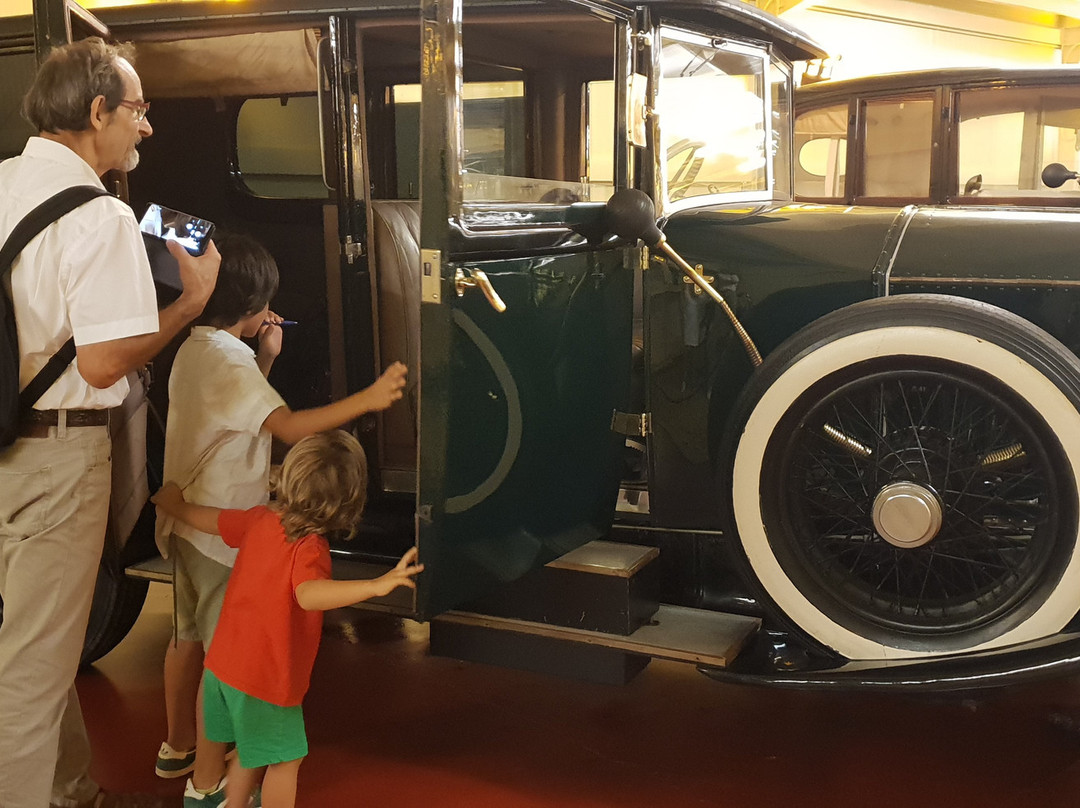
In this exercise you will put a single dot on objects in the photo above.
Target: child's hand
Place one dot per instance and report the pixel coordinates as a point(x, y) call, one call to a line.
point(387, 388)
point(269, 336)
point(169, 497)
point(401, 575)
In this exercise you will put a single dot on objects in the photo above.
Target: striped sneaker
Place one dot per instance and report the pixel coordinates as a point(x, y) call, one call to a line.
point(171, 763)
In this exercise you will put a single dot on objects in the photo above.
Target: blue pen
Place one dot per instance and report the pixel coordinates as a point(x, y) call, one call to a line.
point(283, 322)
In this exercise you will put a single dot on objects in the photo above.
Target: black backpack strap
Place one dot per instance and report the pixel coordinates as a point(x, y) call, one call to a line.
point(33, 223)
point(47, 376)
point(42, 216)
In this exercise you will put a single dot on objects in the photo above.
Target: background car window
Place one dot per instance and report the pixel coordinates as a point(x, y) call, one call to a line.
point(1007, 136)
point(821, 152)
point(897, 147)
point(277, 147)
point(712, 102)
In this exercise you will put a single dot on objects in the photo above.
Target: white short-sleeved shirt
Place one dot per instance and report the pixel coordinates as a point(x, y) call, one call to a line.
point(216, 449)
point(86, 275)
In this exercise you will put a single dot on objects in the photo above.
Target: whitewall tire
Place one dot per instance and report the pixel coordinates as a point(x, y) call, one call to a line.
point(904, 480)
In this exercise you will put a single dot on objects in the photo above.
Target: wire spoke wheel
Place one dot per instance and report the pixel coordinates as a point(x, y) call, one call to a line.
point(905, 479)
point(968, 535)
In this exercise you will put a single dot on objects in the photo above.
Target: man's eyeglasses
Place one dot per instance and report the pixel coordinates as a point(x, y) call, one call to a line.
point(140, 108)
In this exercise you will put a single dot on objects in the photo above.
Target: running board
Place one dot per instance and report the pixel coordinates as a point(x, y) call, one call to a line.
point(400, 601)
point(152, 569)
point(676, 632)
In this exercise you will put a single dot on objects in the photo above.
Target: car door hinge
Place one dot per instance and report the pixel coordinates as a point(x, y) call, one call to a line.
point(352, 249)
point(637, 424)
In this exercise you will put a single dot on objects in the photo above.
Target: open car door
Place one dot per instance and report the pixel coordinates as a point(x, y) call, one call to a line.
point(517, 460)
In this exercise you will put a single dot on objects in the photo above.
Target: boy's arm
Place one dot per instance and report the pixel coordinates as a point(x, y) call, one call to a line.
point(323, 594)
point(201, 517)
point(290, 426)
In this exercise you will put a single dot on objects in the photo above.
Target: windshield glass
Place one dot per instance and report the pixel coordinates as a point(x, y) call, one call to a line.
point(713, 102)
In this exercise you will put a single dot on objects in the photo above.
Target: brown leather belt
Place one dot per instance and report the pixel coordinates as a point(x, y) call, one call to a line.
point(36, 423)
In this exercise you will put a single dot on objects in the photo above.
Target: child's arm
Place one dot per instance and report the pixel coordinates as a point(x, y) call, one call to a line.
point(323, 594)
point(201, 517)
point(289, 426)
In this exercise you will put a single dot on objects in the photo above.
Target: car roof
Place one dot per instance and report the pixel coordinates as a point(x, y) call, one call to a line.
point(793, 43)
point(826, 91)
point(741, 18)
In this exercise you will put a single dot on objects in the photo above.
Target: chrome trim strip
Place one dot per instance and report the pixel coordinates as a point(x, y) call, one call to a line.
point(1039, 283)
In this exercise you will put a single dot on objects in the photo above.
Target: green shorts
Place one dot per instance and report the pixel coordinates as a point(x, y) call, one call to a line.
point(264, 733)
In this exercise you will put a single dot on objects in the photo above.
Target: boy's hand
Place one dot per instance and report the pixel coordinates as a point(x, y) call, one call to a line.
point(401, 575)
point(269, 336)
point(387, 388)
point(169, 497)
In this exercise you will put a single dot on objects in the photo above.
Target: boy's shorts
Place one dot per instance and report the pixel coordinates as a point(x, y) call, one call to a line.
point(264, 733)
point(199, 588)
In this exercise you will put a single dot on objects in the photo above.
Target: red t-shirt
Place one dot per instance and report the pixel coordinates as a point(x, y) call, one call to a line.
point(264, 643)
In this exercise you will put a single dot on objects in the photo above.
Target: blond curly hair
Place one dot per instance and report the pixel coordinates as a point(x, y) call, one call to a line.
point(322, 487)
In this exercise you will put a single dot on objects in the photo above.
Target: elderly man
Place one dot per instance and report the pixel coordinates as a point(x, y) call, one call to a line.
point(85, 276)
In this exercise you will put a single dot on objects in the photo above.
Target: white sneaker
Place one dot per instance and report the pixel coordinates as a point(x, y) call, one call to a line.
point(171, 763)
point(193, 798)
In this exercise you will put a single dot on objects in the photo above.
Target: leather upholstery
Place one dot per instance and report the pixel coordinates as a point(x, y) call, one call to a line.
point(396, 252)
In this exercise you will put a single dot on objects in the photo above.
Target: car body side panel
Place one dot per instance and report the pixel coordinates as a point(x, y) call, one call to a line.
point(782, 267)
point(1026, 261)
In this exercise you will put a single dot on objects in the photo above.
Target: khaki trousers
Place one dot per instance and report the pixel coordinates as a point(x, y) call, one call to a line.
point(54, 501)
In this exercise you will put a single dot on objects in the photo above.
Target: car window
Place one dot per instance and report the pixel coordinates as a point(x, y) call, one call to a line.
point(821, 152)
point(277, 147)
point(780, 138)
point(544, 132)
point(897, 137)
point(712, 103)
point(493, 133)
point(1006, 137)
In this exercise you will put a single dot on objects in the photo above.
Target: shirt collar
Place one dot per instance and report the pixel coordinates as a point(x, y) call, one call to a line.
point(40, 148)
point(219, 335)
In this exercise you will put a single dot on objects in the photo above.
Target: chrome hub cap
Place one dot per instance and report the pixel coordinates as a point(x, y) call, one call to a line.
point(907, 514)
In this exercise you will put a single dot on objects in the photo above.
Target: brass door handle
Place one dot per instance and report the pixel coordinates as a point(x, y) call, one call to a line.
point(477, 277)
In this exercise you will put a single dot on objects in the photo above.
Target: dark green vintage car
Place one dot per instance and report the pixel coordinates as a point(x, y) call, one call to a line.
point(852, 433)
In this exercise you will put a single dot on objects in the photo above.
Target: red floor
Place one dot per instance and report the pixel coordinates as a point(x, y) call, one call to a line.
point(390, 726)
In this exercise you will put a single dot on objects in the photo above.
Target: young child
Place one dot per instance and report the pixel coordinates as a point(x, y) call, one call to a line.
point(223, 414)
point(259, 664)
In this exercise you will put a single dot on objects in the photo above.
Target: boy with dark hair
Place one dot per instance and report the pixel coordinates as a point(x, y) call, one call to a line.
point(223, 414)
point(259, 665)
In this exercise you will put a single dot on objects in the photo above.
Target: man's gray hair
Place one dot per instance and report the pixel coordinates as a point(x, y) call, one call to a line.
point(70, 79)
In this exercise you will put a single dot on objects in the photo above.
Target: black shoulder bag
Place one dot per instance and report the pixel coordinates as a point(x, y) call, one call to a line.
point(11, 400)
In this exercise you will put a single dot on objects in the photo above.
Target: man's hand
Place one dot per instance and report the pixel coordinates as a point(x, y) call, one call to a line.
point(401, 575)
point(387, 388)
point(197, 273)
